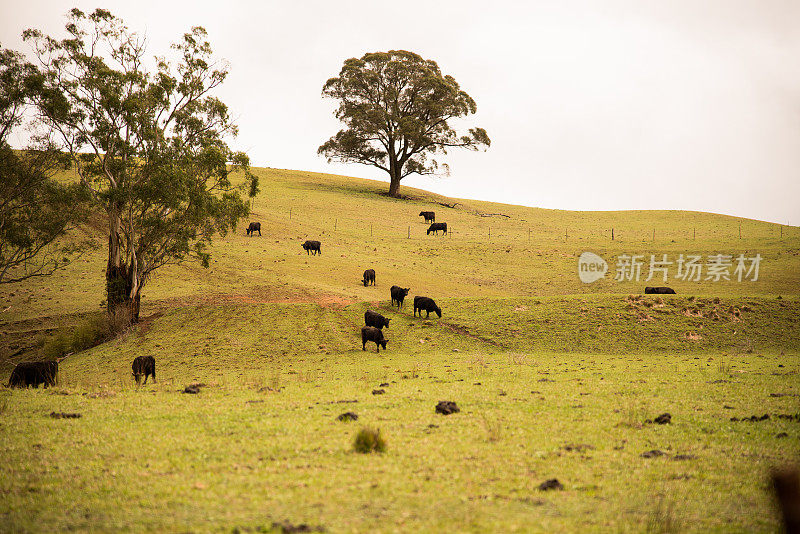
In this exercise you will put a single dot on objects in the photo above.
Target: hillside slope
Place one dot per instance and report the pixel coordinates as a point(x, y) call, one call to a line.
point(492, 251)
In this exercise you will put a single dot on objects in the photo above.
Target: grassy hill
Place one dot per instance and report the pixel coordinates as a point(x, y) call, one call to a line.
point(492, 251)
point(555, 378)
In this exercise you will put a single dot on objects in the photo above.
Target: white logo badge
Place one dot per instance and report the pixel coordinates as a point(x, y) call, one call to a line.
point(591, 267)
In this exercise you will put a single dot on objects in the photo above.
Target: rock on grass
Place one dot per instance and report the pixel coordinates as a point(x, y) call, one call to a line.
point(447, 407)
point(551, 484)
point(347, 417)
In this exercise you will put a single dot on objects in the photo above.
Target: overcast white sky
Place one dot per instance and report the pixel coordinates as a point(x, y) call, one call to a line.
point(590, 105)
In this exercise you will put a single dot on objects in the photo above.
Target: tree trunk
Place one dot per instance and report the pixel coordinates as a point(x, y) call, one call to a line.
point(394, 175)
point(119, 277)
point(394, 187)
point(118, 290)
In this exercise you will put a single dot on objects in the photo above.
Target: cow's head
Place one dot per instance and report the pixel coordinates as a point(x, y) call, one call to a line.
point(438, 311)
point(383, 343)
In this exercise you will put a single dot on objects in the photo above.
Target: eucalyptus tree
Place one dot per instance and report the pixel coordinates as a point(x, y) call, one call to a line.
point(396, 106)
point(147, 139)
point(36, 211)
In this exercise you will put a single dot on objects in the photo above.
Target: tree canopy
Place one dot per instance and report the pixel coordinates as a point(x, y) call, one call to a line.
point(35, 210)
point(148, 142)
point(396, 106)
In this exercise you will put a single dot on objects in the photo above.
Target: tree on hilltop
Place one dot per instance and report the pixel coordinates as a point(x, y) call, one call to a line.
point(396, 107)
point(149, 144)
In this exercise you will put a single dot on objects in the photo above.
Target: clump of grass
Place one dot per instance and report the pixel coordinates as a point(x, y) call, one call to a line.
point(415, 371)
point(632, 415)
point(663, 519)
point(493, 428)
point(3, 405)
point(96, 330)
point(369, 440)
point(519, 359)
point(724, 367)
point(275, 381)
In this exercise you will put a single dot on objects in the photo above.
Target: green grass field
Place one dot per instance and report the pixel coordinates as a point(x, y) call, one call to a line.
point(554, 378)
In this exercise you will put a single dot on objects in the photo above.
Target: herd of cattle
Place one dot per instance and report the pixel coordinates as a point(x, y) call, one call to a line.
point(374, 321)
point(46, 372)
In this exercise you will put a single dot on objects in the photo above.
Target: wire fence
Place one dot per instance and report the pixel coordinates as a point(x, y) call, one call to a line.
point(464, 231)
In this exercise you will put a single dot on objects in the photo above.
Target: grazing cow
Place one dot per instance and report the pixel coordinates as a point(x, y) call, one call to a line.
point(312, 247)
point(659, 291)
point(144, 365)
point(369, 277)
point(430, 216)
point(375, 319)
point(425, 304)
point(27, 374)
point(253, 228)
point(435, 227)
point(370, 333)
point(398, 294)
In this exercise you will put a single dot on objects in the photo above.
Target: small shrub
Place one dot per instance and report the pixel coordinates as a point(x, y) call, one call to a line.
point(92, 332)
point(369, 440)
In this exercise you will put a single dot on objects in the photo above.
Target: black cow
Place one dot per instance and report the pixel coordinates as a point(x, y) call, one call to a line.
point(430, 216)
point(370, 333)
point(425, 304)
point(253, 228)
point(144, 365)
point(27, 374)
point(312, 246)
point(435, 227)
point(398, 294)
point(369, 277)
point(659, 291)
point(375, 319)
